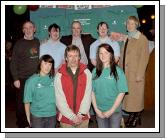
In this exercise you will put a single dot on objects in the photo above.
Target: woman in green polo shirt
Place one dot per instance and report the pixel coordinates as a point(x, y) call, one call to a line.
point(109, 86)
point(39, 95)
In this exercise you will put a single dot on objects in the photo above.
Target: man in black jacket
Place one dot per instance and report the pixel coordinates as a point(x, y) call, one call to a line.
point(83, 41)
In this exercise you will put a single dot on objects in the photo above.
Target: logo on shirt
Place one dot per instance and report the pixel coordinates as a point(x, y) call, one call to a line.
point(39, 85)
point(33, 51)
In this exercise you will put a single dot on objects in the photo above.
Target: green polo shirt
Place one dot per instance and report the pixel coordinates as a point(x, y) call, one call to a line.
point(106, 88)
point(39, 92)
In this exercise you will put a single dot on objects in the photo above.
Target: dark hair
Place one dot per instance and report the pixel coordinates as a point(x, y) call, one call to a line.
point(101, 23)
point(99, 65)
point(49, 59)
point(54, 25)
point(71, 48)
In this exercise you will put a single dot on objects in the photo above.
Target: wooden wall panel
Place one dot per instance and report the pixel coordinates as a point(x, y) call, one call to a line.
point(150, 83)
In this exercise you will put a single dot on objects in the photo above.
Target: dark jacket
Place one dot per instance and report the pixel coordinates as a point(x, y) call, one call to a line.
point(25, 58)
point(87, 40)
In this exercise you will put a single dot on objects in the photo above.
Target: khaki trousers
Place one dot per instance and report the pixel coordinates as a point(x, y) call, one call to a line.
point(84, 124)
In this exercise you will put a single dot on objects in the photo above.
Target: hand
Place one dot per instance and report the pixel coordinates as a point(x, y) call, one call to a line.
point(99, 114)
point(76, 120)
point(28, 119)
point(107, 114)
point(17, 83)
point(117, 36)
point(124, 38)
point(80, 117)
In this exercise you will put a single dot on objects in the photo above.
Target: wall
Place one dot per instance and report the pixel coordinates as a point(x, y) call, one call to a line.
point(149, 101)
point(115, 16)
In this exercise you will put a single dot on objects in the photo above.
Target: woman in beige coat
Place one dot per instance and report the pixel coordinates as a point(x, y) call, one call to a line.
point(135, 55)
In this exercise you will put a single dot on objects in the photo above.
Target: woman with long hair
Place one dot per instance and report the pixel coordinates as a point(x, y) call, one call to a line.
point(109, 87)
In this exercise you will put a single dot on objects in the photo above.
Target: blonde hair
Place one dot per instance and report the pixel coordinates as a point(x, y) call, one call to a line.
point(135, 19)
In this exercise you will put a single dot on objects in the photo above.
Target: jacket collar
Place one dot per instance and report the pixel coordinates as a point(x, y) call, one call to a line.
point(63, 69)
point(135, 35)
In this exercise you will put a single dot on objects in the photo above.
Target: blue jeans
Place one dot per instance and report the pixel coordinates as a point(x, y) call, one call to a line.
point(113, 121)
point(43, 122)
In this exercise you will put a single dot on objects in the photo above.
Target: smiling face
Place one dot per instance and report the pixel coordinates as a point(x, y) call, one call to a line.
point(45, 68)
point(28, 30)
point(76, 29)
point(131, 25)
point(54, 34)
point(73, 58)
point(104, 56)
point(103, 30)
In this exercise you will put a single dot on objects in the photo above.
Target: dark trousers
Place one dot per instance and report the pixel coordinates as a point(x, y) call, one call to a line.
point(43, 122)
point(20, 110)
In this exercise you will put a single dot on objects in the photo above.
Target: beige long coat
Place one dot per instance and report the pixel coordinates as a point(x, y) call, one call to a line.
point(136, 60)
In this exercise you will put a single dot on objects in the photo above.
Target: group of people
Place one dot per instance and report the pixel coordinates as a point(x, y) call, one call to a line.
point(59, 79)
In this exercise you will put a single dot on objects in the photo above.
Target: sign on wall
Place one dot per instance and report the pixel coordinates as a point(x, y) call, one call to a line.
point(89, 16)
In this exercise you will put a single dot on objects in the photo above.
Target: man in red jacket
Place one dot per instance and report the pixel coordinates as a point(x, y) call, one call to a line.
point(73, 85)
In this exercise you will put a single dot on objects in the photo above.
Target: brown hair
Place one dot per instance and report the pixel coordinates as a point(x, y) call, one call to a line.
point(99, 66)
point(71, 48)
point(101, 23)
point(49, 59)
